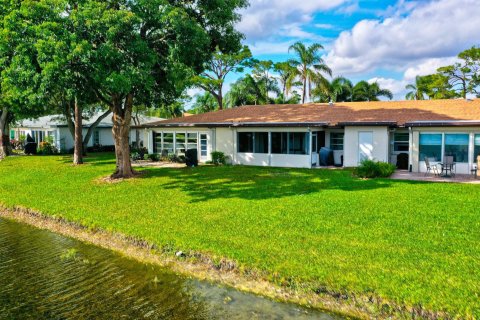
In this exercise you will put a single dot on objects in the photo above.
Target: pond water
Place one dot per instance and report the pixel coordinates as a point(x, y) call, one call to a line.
point(44, 275)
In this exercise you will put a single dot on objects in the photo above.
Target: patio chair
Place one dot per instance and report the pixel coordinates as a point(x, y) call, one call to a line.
point(431, 167)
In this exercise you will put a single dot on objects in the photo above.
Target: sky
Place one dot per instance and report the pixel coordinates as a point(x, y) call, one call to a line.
point(388, 41)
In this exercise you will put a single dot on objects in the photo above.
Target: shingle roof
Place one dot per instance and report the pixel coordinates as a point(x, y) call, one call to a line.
point(397, 113)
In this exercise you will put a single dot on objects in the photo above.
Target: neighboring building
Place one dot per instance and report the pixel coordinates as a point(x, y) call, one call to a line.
point(292, 135)
point(56, 127)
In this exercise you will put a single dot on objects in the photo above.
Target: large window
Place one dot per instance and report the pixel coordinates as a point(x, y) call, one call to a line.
point(167, 142)
point(456, 145)
point(280, 142)
point(192, 140)
point(476, 151)
point(203, 145)
point(430, 146)
point(256, 142)
point(336, 140)
point(400, 141)
point(298, 143)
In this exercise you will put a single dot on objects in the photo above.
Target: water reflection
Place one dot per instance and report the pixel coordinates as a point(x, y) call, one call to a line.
point(47, 276)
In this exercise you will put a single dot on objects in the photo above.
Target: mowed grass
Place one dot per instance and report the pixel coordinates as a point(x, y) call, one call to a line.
point(411, 242)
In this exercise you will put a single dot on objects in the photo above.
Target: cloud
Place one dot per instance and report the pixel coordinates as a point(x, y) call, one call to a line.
point(428, 66)
point(395, 86)
point(420, 30)
point(267, 18)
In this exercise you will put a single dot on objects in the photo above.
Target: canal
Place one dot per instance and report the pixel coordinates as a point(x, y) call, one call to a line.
point(44, 275)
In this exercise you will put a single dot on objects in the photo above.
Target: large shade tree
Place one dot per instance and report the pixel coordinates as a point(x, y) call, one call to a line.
point(310, 65)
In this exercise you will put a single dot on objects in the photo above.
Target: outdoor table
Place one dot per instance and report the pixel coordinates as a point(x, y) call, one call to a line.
point(446, 168)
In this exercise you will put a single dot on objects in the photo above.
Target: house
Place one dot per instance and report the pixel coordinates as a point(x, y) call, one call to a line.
point(55, 126)
point(292, 135)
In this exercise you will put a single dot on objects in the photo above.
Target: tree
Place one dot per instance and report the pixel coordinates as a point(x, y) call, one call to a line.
point(263, 77)
point(217, 69)
point(205, 103)
point(439, 87)
point(339, 89)
point(16, 51)
point(147, 51)
point(364, 91)
point(310, 65)
point(464, 76)
point(418, 90)
point(286, 75)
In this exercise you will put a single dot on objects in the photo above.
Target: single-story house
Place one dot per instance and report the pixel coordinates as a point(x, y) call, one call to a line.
point(56, 127)
point(292, 135)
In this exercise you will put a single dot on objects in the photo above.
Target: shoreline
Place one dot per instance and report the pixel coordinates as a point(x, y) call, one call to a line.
point(224, 272)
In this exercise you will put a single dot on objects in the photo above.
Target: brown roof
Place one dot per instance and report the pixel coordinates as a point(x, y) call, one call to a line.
point(392, 113)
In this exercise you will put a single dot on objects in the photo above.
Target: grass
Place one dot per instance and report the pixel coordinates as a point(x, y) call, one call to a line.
point(413, 243)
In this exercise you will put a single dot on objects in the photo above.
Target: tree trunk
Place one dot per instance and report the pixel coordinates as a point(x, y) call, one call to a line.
point(90, 130)
point(304, 94)
point(122, 116)
point(4, 134)
point(220, 99)
point(78, 151)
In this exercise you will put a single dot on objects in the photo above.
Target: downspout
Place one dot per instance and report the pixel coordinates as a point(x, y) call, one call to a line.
point(410, 149)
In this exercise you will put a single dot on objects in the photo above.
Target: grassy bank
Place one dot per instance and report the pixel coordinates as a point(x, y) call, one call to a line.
point(412, 243)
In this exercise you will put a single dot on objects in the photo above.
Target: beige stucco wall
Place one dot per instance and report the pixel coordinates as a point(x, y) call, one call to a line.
point(380, 144)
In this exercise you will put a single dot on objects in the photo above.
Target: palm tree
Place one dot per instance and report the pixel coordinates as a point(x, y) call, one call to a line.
point(286, 75)
point(418, 89)
point(309, 65)
point(364, 91)
point(205, 103)
point(339, 89)
point(250, 91)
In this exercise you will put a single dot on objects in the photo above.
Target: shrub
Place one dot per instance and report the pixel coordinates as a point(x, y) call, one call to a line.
point(218, 158)
point(46, 148)
point(172, 157)
point(154, 157)
point(139, 154)
point(374, 169)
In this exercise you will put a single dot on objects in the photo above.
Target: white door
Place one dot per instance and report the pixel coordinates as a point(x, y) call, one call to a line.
point(203, 147)
point(365, 146)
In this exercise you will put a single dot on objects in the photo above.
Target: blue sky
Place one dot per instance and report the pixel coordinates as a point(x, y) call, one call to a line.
point(388, 41)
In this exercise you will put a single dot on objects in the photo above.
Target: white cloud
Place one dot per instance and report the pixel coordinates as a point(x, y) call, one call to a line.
point(394, 85)
point(435, 29)
point(265, 18)
point(325, 26)
point(428, 66)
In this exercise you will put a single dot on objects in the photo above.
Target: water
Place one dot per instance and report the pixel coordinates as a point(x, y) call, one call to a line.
point(47, 276)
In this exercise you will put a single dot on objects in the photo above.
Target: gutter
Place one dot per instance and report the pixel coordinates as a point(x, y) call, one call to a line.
point(453, 123)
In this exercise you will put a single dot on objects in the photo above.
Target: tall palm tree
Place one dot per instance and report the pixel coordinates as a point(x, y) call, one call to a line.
point(364, 91)
point(309, 64)
point(250, 91)
point(417, 90)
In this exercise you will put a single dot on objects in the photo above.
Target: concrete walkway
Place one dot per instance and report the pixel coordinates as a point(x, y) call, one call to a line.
point(458, 178)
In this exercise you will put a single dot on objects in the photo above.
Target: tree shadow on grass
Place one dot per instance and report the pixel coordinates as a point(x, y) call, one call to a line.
point(256, 183)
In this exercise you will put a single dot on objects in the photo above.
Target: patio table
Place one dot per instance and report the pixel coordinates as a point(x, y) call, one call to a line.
point(446, 168)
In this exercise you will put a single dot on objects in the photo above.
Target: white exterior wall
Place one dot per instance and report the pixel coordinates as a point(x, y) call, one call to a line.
point(418, 165)
point(351, 147)
point(225, 140)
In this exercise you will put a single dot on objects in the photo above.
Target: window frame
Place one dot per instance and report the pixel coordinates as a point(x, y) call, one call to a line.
point(336, 144)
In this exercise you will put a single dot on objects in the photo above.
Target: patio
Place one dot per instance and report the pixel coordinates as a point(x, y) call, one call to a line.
point(416, 176)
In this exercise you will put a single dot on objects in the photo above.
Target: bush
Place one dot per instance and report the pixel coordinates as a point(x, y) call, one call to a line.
point(172, 157)
point(139, 154)
point(46, 148)
point(374, 169)
point(154, 157)
point(218, 158)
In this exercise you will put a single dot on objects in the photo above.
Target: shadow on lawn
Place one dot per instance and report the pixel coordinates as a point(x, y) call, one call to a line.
point(254, 183)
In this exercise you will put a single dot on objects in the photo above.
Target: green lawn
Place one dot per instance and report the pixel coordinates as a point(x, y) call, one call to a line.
point(412, 242)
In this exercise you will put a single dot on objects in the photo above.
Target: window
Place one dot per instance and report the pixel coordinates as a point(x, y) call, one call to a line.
point(336, 140)
point(280, 142)
point(157, 142)
point(476, 150)
point(400, 141)
point(203, 145)
point(245, 142)
point(38, 136)
point(180, 143)
point(192, 140)
point(298, 143)
point(260, 142)
point(168, 142)
point(456, 145)
point(430, 146)
point(96, 137)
